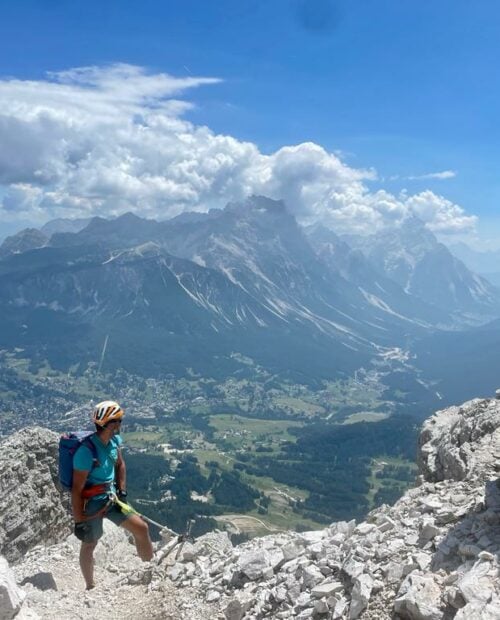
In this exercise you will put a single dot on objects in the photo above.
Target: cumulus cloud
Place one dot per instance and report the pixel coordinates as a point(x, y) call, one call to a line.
point(105, 140)
point(440, 214)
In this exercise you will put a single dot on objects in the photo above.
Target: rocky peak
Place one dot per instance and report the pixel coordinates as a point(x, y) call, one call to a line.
point(410, 254)
point(60, 225)
point(434, 555)
point(258, 204)
point(27, 239)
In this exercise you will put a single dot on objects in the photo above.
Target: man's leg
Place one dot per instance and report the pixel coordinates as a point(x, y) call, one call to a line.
point(140, 531)
point(87, 563)
point(89, 532)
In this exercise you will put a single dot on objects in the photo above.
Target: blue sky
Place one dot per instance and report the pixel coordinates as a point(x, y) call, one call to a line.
point(407, 88)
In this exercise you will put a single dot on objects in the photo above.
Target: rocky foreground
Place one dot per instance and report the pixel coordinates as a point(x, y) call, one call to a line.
point(433, 555)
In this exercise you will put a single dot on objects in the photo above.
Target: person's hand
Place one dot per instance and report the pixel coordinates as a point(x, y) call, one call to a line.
point(122, 496)
point(81, 529)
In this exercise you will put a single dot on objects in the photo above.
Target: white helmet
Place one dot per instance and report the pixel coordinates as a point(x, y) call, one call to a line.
point(107, 411)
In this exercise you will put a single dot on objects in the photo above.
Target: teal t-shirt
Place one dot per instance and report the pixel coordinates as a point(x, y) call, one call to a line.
point(107, 455)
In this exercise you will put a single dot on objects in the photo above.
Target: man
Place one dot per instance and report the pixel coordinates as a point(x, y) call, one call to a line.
point(95, 481)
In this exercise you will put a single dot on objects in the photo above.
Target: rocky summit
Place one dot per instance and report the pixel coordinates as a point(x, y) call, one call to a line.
point(433, 555)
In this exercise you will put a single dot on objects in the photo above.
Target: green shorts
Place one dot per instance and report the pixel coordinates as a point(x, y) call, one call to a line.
point(90, 531)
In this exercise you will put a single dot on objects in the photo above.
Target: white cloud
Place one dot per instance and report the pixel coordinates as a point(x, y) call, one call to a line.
point(440, 176)
point(440, 214)
point(104, 140)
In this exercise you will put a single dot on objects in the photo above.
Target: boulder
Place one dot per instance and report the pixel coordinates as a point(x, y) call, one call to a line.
point(253, 563)
point(238, 606)
point(326, 589)
point(11, 597)
point(360, 595)
point(419, 598)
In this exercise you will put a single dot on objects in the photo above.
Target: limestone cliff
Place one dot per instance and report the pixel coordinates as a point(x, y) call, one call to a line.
point(32, 509)
point(433, 555)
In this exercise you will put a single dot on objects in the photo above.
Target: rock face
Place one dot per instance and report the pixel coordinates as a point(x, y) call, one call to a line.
point(32, 510)
point(434, 555)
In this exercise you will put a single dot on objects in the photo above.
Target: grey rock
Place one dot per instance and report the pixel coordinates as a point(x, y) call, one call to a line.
point(419, 598)
point(32, 509)
point(311, 576)
point(340, 609)
point(326, 589)
point(253, 563)
point(476, 586)
point(360, 595)
point(479, 611)
point(303, 600)
point(353, 568)
point(428, 532)
point(394, 572)
point(292, 550)
point(11, 597)
point(238, 606)
point(321, 607)
point(212, 596)
point(312, 537)
point(305, 614)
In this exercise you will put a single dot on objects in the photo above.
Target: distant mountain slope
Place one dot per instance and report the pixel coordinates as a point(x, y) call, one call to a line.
point(487, 261)
point(162, 314)
point(26, 239)
point(412, 256)
point(461, 364)
point(375, 285)
point(60, 225)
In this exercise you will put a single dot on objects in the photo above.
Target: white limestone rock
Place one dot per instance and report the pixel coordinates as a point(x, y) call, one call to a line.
point(311, 576)
point(238, 606)
point(480, 611)
point(292, 550)
point(326, 589)
point(360, 595)
point(477, 586)
point(253, 563)
point(11, 597)
point(32, 509)
point(419, 598)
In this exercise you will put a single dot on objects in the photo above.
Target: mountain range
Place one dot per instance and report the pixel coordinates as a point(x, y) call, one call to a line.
point(485, 262)
point(191, 293)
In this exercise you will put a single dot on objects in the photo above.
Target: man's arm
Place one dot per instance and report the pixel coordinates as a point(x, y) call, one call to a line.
point(79, 480)
point(121, 473)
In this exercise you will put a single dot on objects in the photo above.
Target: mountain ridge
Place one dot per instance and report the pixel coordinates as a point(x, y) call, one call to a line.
point(254, 253)
point(412, 256)
point(247, 280)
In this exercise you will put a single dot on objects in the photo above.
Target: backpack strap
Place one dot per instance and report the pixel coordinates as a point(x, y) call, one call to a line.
point(88, 443)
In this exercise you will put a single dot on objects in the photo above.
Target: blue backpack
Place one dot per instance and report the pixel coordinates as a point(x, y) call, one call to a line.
point(68, 445)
